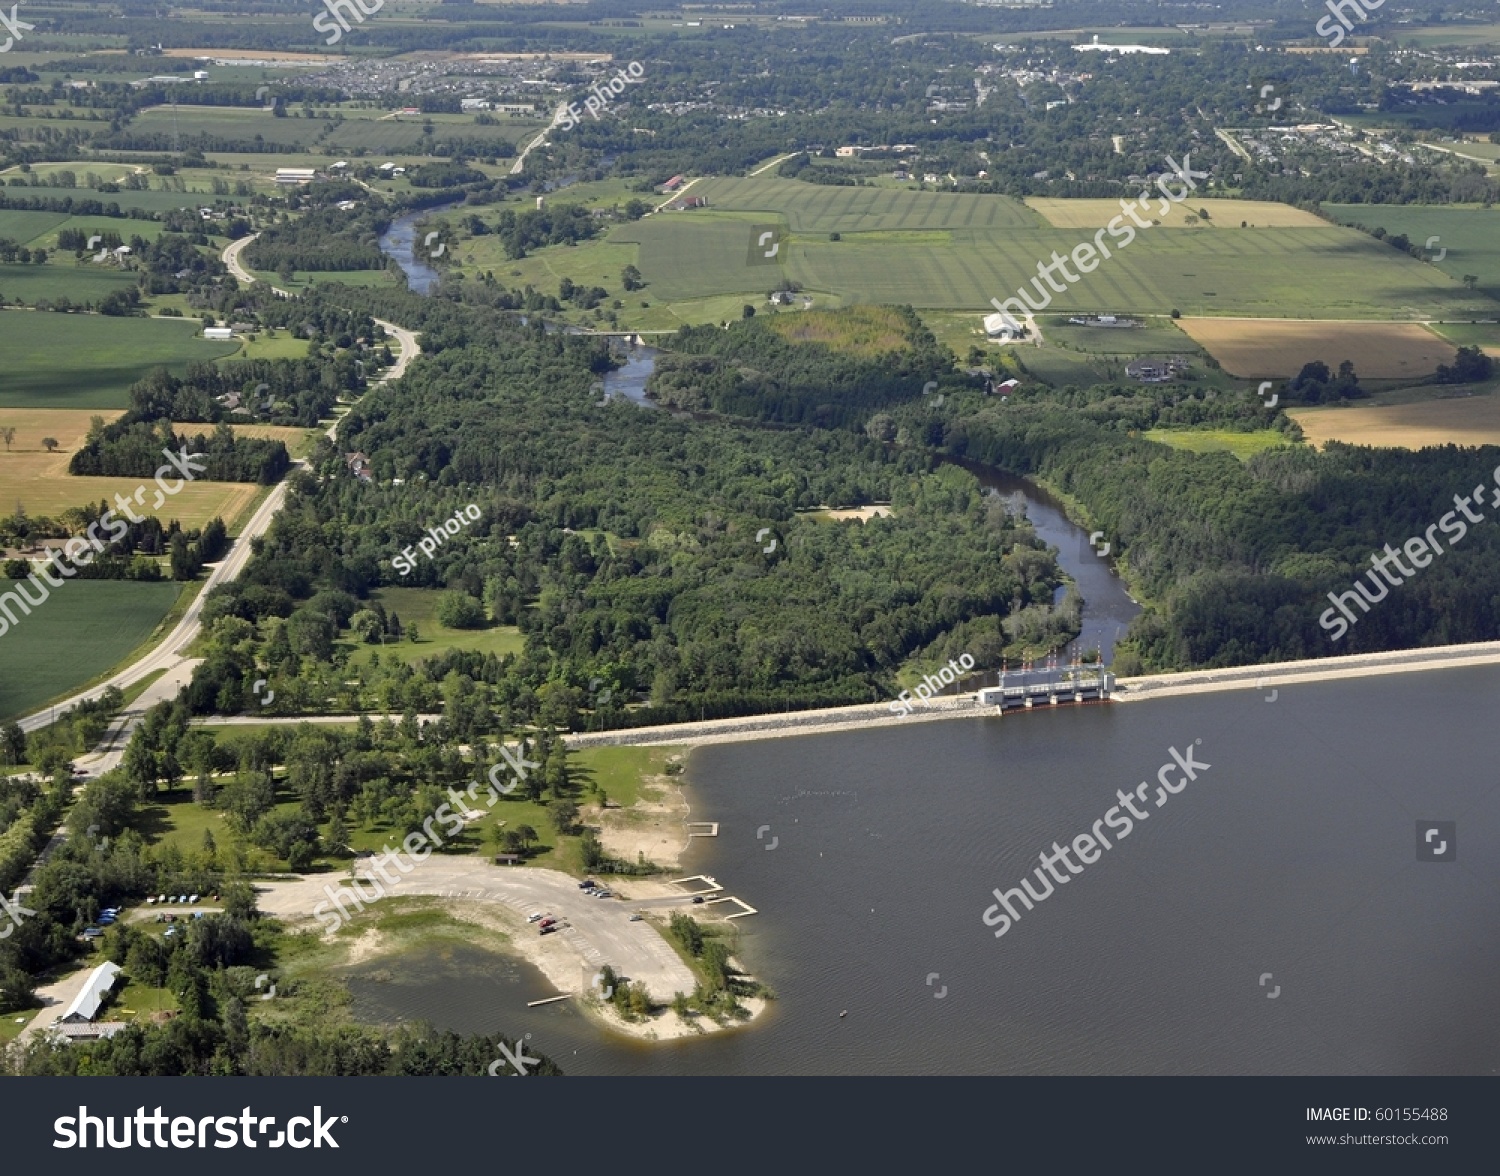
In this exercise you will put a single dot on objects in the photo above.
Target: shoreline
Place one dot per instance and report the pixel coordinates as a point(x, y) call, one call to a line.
point(1142, 689)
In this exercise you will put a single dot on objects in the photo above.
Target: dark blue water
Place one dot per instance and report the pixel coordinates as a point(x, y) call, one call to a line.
point(1294, 854)
point(399, 243)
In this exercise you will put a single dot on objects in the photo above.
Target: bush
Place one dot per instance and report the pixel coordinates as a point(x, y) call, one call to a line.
point(459, 610)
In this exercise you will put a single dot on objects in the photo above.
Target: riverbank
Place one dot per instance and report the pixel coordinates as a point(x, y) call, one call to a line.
point(849, 718)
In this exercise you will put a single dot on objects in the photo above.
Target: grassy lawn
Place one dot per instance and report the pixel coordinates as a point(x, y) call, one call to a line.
point(88, 361)
point(1242, 445)
point(419, 606)
point(81, 630)
point(618, 770)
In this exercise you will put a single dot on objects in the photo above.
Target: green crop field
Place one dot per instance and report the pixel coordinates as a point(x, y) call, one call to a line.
point(814, 208)
point(88, 361)
point(1470, 235)
point(24, 227)
point(228, 122)
point(1312, 273)
point(31, 284)
point(153, 200)
point(406, 134)
point(81, 630)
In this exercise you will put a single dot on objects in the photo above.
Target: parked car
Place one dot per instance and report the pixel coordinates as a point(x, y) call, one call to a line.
point(192, 898)
point(549, 921)
point(697, 898)
point(635, 918)
point(604, 894)
point(587, 884)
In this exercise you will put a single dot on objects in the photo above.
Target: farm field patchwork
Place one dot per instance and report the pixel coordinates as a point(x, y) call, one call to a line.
point(1265, 348)
point(83, 629)
point(1327, 272)
point(88, 361)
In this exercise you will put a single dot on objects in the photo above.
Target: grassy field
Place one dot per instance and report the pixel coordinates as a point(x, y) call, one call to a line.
point(1242, 445)
point(869, 331)
point(31, 284)
point(419, 606)
point(1265, 348)
point(1460, 415)
point(88, 361)
point(1322, 273)
point(816, 208)
point(1470, 235)
point(1223, 214)
point(1485, 336)
point(227, 122)
point(1159, 336)
point(81, 630)
point(25, 227)
point(299, 442)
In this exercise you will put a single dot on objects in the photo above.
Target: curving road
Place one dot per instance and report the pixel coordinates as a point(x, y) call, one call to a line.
point(169, 654)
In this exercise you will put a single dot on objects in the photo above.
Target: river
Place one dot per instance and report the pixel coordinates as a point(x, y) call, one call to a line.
point(1273, 918)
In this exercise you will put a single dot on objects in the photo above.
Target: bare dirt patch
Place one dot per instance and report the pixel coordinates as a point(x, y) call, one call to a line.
point(1277, 348)
point(655, 827)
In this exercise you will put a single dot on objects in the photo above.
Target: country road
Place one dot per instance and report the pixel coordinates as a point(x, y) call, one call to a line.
point(168, 655)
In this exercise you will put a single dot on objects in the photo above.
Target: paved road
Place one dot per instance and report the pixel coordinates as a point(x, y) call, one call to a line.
point(598, 931)
point(169, 655)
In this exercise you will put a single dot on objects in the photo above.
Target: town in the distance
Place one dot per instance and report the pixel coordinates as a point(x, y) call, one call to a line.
point(486, 490)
